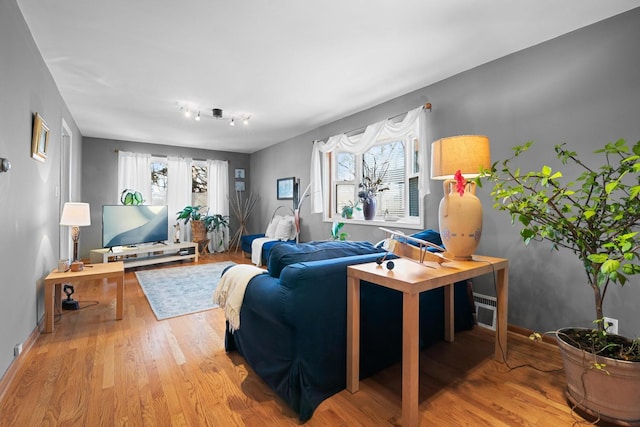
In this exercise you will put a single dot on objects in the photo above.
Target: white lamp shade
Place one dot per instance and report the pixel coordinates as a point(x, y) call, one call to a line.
point(465, 153)
point(76, 214)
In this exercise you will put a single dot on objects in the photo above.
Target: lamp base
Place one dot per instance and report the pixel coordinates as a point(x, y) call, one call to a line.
point(70, 304)
point(460, 220)
point(77, 266)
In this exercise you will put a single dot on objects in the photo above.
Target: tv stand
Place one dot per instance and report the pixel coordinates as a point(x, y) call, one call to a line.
point(146, 254)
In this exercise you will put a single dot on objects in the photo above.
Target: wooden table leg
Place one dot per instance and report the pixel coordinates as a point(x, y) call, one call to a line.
point(410, 359)
point(48, 308)
point(120, 297)
point(353, 334)
point(449, 321)
point(502, 304)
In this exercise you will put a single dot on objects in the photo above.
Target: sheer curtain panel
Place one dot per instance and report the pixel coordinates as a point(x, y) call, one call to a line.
point(134, 173)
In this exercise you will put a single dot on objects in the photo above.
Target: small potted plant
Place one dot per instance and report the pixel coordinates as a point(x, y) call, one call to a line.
point(348, 208)
point(597, 217)
point(336, 231)
point(131, 197)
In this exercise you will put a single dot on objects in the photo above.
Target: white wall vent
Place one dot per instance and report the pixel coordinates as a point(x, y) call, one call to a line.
point(485, 310)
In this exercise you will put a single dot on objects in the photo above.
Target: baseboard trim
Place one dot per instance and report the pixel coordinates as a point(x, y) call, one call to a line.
point(18, 362)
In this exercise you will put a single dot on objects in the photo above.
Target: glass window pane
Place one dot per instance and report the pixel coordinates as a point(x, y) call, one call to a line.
point(345, 193)
point(199, 186)
point(345, 167)
point(414, 197)
point(158, 183)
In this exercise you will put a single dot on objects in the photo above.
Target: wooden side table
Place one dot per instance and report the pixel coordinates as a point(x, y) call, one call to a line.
point(53, 283)
point(412, 278)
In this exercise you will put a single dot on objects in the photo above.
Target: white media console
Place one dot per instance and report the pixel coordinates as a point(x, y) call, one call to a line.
point(146, 254)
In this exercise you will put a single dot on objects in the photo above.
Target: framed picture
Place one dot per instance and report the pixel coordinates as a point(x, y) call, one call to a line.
point(40, 139)
point(239, 173)
point(239, 185)
point(285, 188)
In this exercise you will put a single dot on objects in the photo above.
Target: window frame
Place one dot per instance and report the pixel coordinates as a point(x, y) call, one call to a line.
point(329, 167)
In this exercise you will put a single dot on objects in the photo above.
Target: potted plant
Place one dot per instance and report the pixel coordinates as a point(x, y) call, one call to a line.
point(336, 233)
point(348, 208)
point(198, 228)
point(596, 217)
point(371, 185)
point(131, 197)
point(216, 224)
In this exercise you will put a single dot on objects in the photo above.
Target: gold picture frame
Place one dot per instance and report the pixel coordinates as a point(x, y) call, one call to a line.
point(40, 139)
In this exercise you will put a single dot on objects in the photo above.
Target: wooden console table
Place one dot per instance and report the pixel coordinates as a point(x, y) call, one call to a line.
point(55, 279)
point(412, 278)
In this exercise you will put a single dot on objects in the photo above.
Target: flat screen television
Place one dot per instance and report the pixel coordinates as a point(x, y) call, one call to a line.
point(134, 225)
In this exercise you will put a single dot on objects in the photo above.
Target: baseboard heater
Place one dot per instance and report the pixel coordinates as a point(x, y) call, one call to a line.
point(485, 310)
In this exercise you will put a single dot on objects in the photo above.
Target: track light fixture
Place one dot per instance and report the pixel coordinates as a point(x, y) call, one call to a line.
point(216, 113)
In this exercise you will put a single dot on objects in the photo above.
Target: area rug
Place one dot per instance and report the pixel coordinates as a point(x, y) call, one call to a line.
point(177, 291)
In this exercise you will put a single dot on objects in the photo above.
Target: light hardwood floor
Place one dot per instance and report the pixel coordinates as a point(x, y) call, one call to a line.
point(96, 371)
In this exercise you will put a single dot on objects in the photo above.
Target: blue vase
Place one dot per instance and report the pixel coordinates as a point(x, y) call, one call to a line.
point(369, 208)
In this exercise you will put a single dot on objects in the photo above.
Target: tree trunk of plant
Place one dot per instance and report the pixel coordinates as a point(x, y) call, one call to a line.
point(598, 300)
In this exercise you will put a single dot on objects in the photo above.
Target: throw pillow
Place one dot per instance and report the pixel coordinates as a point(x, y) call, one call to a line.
point(271, 228)
point(283, 230)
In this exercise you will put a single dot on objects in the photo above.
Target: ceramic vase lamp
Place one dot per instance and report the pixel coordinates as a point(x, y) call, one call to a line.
point(460, 211)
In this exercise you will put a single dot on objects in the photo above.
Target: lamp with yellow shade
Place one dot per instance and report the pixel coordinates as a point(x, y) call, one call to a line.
point(456, 159)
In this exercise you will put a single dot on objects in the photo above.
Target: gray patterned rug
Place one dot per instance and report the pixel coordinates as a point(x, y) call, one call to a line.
point(176, 291)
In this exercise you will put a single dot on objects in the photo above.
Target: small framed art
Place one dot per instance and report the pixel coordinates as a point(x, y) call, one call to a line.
point(239, 173)
point(285, 188)
point(39, 139)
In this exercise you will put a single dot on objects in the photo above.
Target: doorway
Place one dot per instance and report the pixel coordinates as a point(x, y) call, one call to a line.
point(66, 244)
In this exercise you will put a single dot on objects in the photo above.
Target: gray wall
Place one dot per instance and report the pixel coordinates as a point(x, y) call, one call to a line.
point(100, 177)
point(29, 192)
point(582, 88)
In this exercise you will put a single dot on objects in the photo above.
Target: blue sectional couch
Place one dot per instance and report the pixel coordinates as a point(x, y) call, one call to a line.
point(293, 321)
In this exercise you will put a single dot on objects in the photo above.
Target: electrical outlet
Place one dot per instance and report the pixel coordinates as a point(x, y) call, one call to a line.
point(17, 350)
point(611, 325)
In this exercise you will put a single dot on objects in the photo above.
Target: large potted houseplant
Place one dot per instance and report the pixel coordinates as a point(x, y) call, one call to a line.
point(217, 225)
point(597, 217)
point(198, 227)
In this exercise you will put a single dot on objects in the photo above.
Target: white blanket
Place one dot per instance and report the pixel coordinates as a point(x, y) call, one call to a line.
point(230, 291)
point(256, 249)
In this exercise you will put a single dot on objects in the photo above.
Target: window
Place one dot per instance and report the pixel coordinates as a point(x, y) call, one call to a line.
point(199, 181)
point(339, 171)
point(158, 181)
point(391, 167)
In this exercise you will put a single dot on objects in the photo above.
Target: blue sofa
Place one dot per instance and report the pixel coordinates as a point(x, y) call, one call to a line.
point(293, 321)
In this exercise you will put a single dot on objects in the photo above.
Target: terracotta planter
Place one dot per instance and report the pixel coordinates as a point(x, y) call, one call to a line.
point(614, 397)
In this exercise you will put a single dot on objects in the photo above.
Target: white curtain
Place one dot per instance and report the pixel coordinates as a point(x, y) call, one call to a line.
point(179, 191)
point(358, 144)
point(218, 189)
point(218, 199)
point(134, 173)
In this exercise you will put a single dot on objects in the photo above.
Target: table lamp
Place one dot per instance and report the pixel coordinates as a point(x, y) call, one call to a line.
point(460, 211)
point(76, 215)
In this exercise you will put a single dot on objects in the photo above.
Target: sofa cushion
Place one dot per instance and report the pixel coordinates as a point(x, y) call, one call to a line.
point(284, 255)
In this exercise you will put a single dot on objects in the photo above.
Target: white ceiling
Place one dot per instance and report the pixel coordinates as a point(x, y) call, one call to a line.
point(124, 66)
